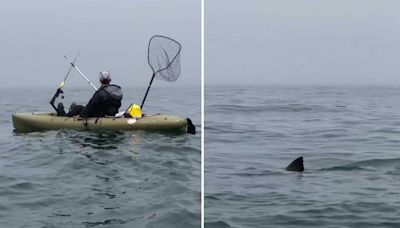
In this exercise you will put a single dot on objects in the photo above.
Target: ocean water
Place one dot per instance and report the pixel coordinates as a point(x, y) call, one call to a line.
point(349, 138)
point(113, 179)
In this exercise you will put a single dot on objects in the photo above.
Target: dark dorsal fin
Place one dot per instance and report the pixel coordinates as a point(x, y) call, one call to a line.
point(296, 165)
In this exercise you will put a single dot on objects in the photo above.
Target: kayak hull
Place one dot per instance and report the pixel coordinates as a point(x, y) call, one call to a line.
point(29, 122)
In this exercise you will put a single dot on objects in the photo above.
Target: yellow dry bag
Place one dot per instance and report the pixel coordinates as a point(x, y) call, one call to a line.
point(134, 110)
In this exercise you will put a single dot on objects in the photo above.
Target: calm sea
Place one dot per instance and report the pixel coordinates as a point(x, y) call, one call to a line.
point(349, 138)
point(69, 178)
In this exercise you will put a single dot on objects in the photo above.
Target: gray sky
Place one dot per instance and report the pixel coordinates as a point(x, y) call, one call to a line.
point(302, 42)
point(111, 35)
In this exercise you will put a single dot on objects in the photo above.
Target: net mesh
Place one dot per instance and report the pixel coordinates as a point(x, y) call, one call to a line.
point(164, 58)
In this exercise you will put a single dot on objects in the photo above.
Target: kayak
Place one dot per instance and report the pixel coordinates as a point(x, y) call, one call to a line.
point(29, 122)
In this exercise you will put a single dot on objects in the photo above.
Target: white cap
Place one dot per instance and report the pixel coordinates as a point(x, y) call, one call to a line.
point(105, 76)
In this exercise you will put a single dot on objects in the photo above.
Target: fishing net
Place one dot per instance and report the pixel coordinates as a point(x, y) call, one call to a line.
point(163, 58)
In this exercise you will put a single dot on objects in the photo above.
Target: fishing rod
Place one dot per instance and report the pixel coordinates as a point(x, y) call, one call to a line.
point(61, 86)
point(80, 72)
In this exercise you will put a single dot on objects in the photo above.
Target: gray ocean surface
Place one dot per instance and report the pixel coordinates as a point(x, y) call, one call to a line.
point(349, 138)
point(69, 178)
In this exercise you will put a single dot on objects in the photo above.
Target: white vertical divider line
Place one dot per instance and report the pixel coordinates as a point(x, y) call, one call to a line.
point(202, 114)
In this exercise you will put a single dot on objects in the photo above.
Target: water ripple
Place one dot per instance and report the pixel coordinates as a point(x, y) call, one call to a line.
point(349, 139)
point(69, 178)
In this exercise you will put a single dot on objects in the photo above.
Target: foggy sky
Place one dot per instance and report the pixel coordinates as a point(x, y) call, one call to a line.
point(326, 42)
point(111, 35)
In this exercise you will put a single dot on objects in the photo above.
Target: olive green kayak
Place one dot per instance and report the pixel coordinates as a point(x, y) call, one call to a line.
point(28, 122)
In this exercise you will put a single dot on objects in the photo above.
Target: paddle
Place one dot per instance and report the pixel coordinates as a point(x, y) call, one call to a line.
point(163, 57)
point(61, 86)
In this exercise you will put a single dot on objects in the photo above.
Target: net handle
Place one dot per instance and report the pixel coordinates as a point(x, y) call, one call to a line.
point(147, 91)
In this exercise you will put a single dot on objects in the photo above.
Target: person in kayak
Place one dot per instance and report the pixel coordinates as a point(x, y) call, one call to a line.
point(105, 101)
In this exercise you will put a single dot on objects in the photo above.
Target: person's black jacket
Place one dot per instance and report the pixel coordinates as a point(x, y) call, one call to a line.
point(105, 101)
